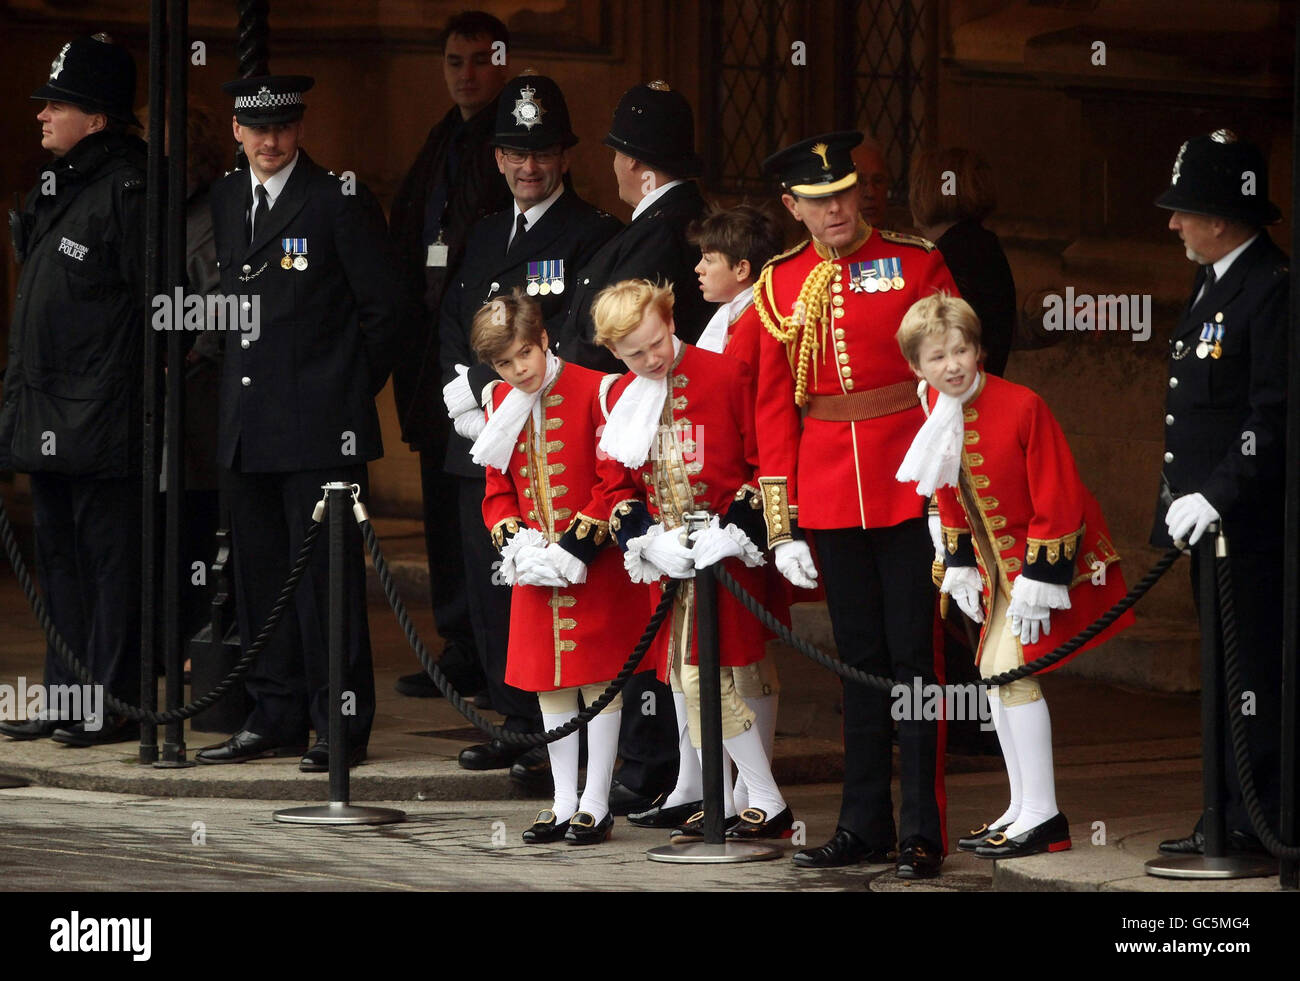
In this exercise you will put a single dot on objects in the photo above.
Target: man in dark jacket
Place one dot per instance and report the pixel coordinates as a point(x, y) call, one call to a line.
point(452, 184)
point(71, 415)
point(307, 254)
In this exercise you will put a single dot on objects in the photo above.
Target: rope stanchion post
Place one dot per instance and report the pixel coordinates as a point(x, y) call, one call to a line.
point(339, 810)
point(714, 848)
point(1215, 863)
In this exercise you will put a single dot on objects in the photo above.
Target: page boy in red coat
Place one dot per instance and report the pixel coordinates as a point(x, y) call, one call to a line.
point(680, 439)
point(569, 628)
point(1023, 540)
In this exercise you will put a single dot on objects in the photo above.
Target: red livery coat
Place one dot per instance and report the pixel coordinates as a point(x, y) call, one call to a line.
point(1033, 509)
point(575, 635)
point(838, 474)
point(706, 462)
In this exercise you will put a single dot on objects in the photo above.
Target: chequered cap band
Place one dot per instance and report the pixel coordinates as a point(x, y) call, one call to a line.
point(266, 99)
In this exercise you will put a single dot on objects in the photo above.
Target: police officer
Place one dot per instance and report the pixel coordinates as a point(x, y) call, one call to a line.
point(306, 253)
point(71, 415)
point(536, 245)
point(1224, 427)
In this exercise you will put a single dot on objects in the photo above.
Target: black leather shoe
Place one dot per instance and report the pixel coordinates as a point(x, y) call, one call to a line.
point(844, 848)
point(317, 759)
point(31, 729)
point(245, 745)
point(979, 835)
point(545, 829)
point(693, 828)
point(532, 771)
point(417, 685)
point(624, 800)
point(1053, 835)
point(754, 823)
point(1246, 843)
point(1193, 844)
point(495, 755)
point(583, 829)
point(658, 816)
point(918, 859)
point(113, 730)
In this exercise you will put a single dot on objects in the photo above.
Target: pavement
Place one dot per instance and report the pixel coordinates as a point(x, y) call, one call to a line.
point(1128, 775)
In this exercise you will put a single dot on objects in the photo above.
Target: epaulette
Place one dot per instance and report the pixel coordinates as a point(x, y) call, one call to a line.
point(789, 253)
point(903, 239)
point(133, 184)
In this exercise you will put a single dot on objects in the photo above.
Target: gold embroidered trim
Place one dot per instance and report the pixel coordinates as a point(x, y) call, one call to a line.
point(562, 513)
point(499, 530)
point(970, 438)
point(1004, 542)
point(585, 525)
point(997, 522)
point(776, 510)
point(558, 490)
point(904, 239)
point(554, 424)
point(551, 401)
point(555, 469)
point(952, 537)
point(970, 415)
point(975, 459)
point(1056, 547)
point(979, 481)
point(621, 510)
point(553, 445)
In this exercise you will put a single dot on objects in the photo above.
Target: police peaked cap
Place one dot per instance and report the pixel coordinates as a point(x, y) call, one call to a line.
point(261, 100)
point(655, 125)
point(94, 74)
point(1223, 177)
point(818, 166)
point(532, 115)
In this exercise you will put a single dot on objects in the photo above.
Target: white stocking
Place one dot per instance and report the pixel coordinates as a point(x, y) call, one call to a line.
point(1008, 744)
point(751, 760)
point(690, 782)
point(602, 747)
point(564, 767)
point(1032, 728)
point(764, 708)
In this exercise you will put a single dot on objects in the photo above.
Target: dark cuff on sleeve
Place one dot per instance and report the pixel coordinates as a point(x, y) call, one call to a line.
point(629, 519)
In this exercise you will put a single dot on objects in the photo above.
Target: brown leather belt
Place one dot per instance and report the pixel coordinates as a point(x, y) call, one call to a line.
point(856, 406)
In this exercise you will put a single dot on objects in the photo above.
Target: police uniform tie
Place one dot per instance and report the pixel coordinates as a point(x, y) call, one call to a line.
point(520, 224)
point(1207, 284)
point(259, 208)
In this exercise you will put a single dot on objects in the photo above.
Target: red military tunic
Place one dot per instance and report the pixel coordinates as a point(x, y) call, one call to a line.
point(574, 635)
point(1022, 493)
point(833, 473)
point(704, 461)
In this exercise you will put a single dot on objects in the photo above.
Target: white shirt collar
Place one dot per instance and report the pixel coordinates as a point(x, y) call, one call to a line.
point(652, 197)
point(275, 183)
point(714, 337)
point(1222, 265)
point(534, 214)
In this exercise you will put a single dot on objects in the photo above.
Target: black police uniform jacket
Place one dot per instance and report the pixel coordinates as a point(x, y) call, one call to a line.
point(301, 396)
point(77, 337)
point(571, 230)
point(653, 247)
point(1225, 416)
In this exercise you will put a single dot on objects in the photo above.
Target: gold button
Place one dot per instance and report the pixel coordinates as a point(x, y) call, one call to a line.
point(848, 383)
point(523, 471)
point(520, 447)
point(528, 492)
point(846, 371)
point(836, 287)
point(839, 333)
point(844, 359)
point(838, 300)
point(839, 311)
point(841, 346)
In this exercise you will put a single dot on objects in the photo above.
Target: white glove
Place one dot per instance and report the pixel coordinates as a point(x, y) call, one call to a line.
point(456, 394)
point(670, 555)
point(571, 568)
point(794, 561)
point(470, 424)
point(936, 537)
point(521, 555)
point(962, 583)
point(533, 568)
point(1031, 607)
point(1190, 513)
point(714, 543)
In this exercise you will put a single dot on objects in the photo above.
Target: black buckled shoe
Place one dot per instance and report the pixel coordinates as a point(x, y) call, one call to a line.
point(1053, 835)
point(658, 816)
point(583, 829)
point(31, 729)
point(979, 836)
point(754, 823)
point(114, 730)
point(545, 829)
point(317, 759)
point(245, 745)
point(918, 859)
point(844, 848)
point(692, 829)
point(624, 800)
point(495, 755)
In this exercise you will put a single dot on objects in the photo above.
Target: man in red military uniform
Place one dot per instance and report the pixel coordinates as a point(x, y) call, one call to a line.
point(837, 410)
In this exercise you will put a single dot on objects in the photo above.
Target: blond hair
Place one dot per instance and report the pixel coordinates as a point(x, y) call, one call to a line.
point(504, 321)
point(619, 309)
point(932, 317)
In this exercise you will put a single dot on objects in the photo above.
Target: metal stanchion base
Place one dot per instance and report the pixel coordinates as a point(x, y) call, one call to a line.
point(337, 812)
point(1205, 867)
point(172, 764)
point(6, 782)
point(701, 852)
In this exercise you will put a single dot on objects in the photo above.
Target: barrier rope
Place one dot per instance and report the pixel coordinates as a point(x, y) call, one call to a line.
point(205, 700)
point(1237, 720)
point(467, 710)
point(887, 684)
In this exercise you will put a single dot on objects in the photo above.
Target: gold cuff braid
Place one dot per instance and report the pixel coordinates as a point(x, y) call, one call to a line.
point(778, 514)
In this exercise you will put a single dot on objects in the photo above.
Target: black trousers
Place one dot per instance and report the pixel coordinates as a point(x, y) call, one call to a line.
point(881, 603)
point(489, 610)
point(289, 681)
point(447, 592)
point(88, 558)
point(647, 740)
point(1257, 604)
